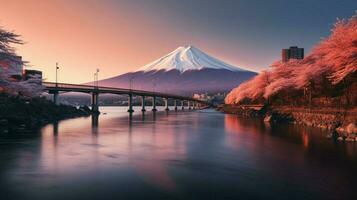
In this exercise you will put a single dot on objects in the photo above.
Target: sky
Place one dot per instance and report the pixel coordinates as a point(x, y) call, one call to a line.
point(118, 36)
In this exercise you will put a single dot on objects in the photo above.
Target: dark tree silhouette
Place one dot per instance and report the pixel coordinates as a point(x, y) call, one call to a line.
point(7, 39)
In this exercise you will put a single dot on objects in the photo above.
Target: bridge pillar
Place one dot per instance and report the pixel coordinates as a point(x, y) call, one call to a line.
point(130, 103)
point(154, 104)
point(194, 105)
point(55, 97)
point(166, 104)
point(189, 105)
point(143, 103)
point(175, 104)
point(182, 105)
point(95, 107)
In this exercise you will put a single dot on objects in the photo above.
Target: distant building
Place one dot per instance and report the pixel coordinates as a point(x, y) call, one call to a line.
point(292, 53)
point(200, 96)
point(13, 65)
point(32, 73)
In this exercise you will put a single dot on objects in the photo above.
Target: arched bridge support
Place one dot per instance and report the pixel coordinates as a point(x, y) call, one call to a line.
point(175, 104)
point(130, 103)
point(154, 104)
point(143, 104)
point(166, 104)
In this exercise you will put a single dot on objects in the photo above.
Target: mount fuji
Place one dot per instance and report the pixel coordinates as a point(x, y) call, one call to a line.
point(186, 70)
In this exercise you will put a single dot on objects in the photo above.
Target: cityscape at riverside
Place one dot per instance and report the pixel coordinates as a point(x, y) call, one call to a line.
point(178, 99)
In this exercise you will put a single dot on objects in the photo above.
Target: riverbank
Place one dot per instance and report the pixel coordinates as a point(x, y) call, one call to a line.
point(341, 122)
point(20, 114)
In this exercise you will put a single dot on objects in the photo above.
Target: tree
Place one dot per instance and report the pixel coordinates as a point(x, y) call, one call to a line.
point(252, 89)
point(7, 39)
point(28, 88)
point(332, 65)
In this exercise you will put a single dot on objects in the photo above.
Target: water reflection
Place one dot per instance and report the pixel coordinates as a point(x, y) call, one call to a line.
point(55, 133)
point(305, 139)
point(130, 114)
point(55, 128)
point(143, 115)
point(95, 121)
point(176, 155)
point(153, 116)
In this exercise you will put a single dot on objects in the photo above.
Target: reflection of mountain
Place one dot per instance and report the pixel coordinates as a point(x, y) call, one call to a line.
point(185, 70)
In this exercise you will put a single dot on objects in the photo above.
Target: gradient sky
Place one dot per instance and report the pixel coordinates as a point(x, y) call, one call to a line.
point(122, 35)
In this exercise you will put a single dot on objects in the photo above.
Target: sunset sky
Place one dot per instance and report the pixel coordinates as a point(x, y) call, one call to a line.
point(123, 35)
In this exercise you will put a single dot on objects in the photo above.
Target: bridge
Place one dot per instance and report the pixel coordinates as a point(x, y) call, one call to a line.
point(56, 88)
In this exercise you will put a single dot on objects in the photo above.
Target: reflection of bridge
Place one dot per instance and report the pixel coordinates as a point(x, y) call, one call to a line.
point(55, 88)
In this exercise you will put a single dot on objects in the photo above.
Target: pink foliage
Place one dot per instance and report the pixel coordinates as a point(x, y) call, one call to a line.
point(29, 88)
point(251, 89)
point(334, 57)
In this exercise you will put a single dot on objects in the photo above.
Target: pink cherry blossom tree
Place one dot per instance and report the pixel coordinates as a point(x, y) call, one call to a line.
point(333, 62)
point(30, 87)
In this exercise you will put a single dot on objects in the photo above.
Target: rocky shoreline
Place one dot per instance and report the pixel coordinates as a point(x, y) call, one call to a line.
point(341, 122)
point(18, 114)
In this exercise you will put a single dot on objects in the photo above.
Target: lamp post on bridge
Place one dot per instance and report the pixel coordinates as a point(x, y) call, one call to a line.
point(95, 74)
point(55, 92)
point(96, 78)
point(56, 73)
point(95, 103)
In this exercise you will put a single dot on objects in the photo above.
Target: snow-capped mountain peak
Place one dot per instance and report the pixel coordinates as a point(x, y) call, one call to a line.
point(187, 58)
point(186, 70)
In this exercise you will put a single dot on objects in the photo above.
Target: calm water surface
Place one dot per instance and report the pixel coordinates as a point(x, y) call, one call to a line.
point(175, 155)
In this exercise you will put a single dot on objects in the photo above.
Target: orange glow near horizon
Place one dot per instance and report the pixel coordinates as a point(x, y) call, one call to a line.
point(85, 35)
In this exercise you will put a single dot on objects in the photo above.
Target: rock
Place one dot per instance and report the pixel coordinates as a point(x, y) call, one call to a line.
point(85, 108)
point(350, 139)
point(345, 134)
point(351, 128)
point(268, 118)
point(5, 130)
point(329, 135)
point(3, 122)
point(340, 138)
point(340, 130)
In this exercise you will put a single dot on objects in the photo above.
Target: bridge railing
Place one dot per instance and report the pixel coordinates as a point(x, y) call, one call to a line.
point(92, 88)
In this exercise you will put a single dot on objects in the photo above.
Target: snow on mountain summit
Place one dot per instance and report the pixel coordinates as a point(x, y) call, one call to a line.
point(187, 58)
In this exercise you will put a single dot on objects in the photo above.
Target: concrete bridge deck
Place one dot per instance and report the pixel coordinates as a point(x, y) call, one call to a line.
point(56, 88)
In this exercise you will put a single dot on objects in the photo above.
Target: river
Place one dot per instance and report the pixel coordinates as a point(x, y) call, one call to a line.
point(176, 155)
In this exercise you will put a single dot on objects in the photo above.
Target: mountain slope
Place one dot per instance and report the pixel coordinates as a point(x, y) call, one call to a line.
point(186, 70)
